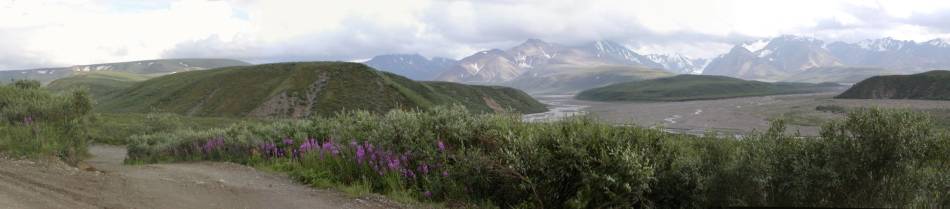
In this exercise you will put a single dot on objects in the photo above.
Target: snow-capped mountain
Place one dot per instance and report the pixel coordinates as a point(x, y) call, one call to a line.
point(780, 57)
point(890, 53)
point(497, 66)
point(413, 66)
point(618, 53)
point(786, 56)
point(679, 64)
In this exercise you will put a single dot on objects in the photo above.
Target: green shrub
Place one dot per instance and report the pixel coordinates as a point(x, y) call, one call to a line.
point(874, 158)
point(35, 122)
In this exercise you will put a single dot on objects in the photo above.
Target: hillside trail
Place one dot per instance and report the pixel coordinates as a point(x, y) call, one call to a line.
point(29, 184)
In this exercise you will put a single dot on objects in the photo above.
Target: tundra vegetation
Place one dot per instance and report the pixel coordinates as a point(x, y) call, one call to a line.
point(873, 158)
point(449, 155)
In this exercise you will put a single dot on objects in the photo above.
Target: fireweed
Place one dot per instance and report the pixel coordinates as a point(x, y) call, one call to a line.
point(874, 158)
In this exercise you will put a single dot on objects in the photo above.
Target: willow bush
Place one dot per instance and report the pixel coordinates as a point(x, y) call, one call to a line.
point(873, 158)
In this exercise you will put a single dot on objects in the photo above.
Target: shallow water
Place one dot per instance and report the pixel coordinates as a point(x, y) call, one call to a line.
point(559, 108)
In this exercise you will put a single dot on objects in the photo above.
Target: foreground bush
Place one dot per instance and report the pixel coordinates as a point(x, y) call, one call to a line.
point(875, 158)
point(36, 122)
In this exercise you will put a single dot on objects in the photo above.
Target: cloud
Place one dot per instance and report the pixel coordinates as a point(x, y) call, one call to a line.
point(66, 32)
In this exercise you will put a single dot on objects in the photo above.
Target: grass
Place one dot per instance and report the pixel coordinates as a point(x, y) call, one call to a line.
point(873, 158)
point(933, 85)
point(117, 128)
point(99, 84)
point(696, 87)
point(35, 122)
point(142, 67)
point(317, 88)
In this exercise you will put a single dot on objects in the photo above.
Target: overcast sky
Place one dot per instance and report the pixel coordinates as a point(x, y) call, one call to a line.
point(44, 33)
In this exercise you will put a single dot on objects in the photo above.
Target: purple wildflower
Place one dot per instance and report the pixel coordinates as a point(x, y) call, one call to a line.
point(424, 168)
point(327, 146)
point(28, 120)
point(445, 173)
point(288, 141)
point(269, 149)
point(360, 154)
point(393, 163)
point(441, 145)
point(308, 145)
point(427, 194)
point(212, 144)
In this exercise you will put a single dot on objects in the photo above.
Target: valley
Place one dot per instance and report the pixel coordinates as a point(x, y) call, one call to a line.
point(495, 104)
point(730, 117)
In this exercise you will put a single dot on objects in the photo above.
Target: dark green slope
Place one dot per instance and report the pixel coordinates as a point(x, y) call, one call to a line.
point(696, 87)
point(301, 89)
point(933, 85)
point(98, 84)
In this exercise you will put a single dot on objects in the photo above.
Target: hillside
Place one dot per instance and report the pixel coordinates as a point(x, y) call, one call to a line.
point(144, 67)
point(98, 84)
point(848, 75)
point(569, 79)
point(933, 85)
point(304, 89)
point(696, 87)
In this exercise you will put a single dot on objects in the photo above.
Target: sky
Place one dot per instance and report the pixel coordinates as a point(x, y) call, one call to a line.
point(52, 33)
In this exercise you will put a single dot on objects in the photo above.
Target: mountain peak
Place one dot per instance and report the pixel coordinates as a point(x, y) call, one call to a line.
point(414, 66)
point(678, 63)
point(740, 49)
point(939, 42)
point(884, 44)
point(793, 39)
point(534, 41)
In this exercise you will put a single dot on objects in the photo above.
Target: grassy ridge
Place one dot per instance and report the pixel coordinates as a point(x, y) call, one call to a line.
point(874, 158)
point(301, 89)
point(696, 87)
point(142, 67)
point(99, 84)
point(933, 85)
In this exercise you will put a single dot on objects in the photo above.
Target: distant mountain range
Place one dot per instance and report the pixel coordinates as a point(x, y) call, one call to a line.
point(539, 66)
point(144, 67)
point(796, 58)
point(413, 66)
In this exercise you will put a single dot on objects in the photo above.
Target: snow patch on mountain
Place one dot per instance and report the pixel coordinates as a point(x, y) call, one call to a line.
point(756, 45)
point(677, 63)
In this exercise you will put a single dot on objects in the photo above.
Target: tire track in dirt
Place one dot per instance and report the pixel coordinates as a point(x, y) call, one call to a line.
point(26, 184)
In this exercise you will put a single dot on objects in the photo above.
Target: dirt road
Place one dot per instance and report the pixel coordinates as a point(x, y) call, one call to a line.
point(51, 184)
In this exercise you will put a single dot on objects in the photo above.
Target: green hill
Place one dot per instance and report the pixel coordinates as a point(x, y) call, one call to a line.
point(144, 67)
point(838, 74)
point(304, 89)
point(696, 87)
point(572, 78)
point(99, 84)
point(933, 85)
